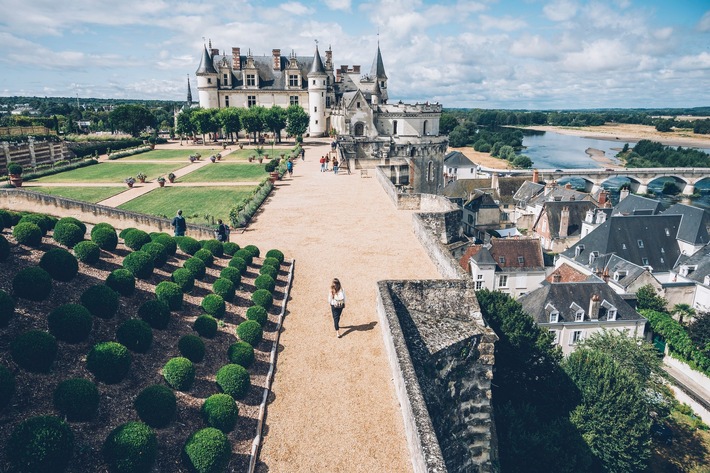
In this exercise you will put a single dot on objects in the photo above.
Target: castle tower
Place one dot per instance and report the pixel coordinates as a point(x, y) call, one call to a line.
point(377, 72)
point(317, 88)
point(207, 82)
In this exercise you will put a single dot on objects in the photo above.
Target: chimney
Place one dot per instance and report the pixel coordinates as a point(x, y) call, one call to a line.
point(594, 307)
point(549, 187)
point(329, 59)
point(605, 275)
point(356, 69)
point(556, 277)
point(564, 222)
point(602, 198)
point(568, 185)
point(276, 53)
point(236, 59)
point(623, 193)
point(601, 216)
point(589, 218)
point(494, 181)
point(536, 176)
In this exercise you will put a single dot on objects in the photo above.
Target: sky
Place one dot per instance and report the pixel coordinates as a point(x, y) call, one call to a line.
point(522, 54)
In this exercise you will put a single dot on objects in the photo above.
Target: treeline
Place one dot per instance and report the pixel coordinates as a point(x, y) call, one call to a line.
point(651, 154)
point(504, 143)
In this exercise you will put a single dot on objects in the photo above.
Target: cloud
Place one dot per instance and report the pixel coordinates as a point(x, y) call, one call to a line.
point(296, 8)
point(534, 47)
point(338, 4)
point(704, 23)
point(560, 10)
point(693, 62)
point(505, 23)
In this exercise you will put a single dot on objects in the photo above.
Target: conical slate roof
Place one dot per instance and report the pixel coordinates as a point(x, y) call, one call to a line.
point(378, 67)
point(317, 67)
point(189, 92)
point(206, 66)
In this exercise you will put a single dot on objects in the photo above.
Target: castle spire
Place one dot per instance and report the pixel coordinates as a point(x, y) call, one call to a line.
point(206, 66)
point(378, 67)
point(189, 91)
point(317, 67)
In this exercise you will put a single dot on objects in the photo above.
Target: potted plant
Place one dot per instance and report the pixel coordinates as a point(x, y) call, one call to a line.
point(141, 177)
point(213, 158)
point(219, 156)
point(161, 181)
point(171, 177)
point(193, 158)
point(15, 173)
point(130, 181)
point(198, 156)
point(241, 145)
point(251, 159)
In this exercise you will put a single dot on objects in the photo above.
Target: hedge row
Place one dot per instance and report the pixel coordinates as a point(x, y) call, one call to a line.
point(678, 340)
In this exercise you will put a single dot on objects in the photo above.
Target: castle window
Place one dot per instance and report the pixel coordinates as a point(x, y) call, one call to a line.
point(382, 84)
point(430, 171)
point(226, 100)
point(251, 80)
point(424, 127)
point(315, 109)
point(503, 280)
point(293, 80)
point(394, 127)
point(327, 102)
point(314, 82)
point(479, 285)
point(209, 80)
point(359, 129)
point(224, 79)
point(357, 104)
point(323, 82)
point(293, 100)
point(251, 100)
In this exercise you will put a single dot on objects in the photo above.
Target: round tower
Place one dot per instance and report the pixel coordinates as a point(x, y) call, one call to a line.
point(317, 89)
point(207, 82)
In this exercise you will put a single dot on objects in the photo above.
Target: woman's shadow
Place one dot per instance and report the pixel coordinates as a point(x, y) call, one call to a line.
point(357, 328)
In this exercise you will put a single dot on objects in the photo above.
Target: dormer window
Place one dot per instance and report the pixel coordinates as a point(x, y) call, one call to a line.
point(611, 314)
point(644, 261)
point(640, 243)
point(668, 232)
point(578, 250)
point(623, 246)
point(554, 317)
point(521, 260)
point(593, 256)
point(578, 312)
point(662, 251)
point(251, 80)
point(619, 275)
point(293, 80)
point(706, 281)
point(501, 259)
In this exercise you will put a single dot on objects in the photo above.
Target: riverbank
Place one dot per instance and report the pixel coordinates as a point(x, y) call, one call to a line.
point(482, 159)
point(625, 132)
point(600, 157)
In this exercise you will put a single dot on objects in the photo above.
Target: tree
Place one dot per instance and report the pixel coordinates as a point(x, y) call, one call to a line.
point(204, 121)
point(131, 119)
point(684, 312)
point(275, 120)
point(458, 137)
point(185, 125)
point(296, 120)
point(507, 152)
point(522, 162)
point(447, 123)
point(647, 298)
point(230, 120)
point(253, 120)
point(699, 333)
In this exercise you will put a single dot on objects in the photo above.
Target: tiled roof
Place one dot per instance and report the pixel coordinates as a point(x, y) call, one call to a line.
point(527, 191)
point(567, 274)
point(462, 188)
point(457, 158)
point(269, 78)
point(507, 187)
point(636, 205)
point(517, 254)
point(698, 264)
point(559, 194)
point(553, 211)
point(694, 224)
point(471, 251)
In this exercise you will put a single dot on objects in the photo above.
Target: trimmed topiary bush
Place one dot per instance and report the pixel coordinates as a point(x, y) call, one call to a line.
point(73, 221)
point(15, 217)
point(214, 305)
point(77, 399)
point(166, 240)
point(7, 386)
point(263, 298)
point(157, 252)
point(205, 256)
point(183, 278)
point(233, 380)
point(42, 444)
point(170, 294)
point(250, 331)
point(225, 288)
point(230, 248)
point(179, 373)
point(155, 313)
point(192, 347)
point(105, 236)
point(33, 283)
point(28, 234)
point(188, 245)
point(44, 223)
point(221, 412)
point(206, 326)
point(70, 323)
point(139, 263)
point(156, 405)
point(253, 250)
point(233, 274)
point(269, 271)
point(125, 232)
point(68, 234)
point(4, 248)
point(87, 252)
point(136, 335)
point(34, 351)
point(135, 239)
point(196, 266)
point(109, 362)
point(265, 282)
point(271, 261)
point(5, 219)
point(215, 247)
point(131, 448)
point(7, 308)
point(275, 254)
point(246, 255)
point(207, 451)
point(60, 264)
point(101, 300)
point(241, 353)
point(122, 281)
point(239, 263)
point(258, 314)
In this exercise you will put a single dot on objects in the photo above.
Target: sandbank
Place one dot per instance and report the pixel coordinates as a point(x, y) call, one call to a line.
point(632, 133)
point(483, 159)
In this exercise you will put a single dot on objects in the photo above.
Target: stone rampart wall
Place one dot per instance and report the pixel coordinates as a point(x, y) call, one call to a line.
point(33, 154)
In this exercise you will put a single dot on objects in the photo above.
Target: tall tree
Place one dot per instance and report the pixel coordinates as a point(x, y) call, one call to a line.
point(648, 298)
point(447, 123)
point(253, 120)
point(132, 119)
point(296, 120)
point(275, 120)
point(185, 126)
point(230, 119)
point(204, 121)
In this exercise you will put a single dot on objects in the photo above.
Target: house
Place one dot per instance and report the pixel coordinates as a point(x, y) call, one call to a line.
point(559, 223)
point(514, 266)
point(696, 269)
point(480, 214)
point(566, 273)
point(458, 166)
point(632, 204)
point(693, 233)
point(573, 311)
point(529, 205)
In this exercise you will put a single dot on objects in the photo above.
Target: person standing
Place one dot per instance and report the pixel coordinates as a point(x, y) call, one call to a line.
point(222, 231)
point(289, 167)
point(303, 154)
point(322, 164)
point(335, 166)
point(336, 299)
point(179, 224)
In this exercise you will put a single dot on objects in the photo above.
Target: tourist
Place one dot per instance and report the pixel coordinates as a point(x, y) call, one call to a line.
point(289, 167)
point(179, 224)
point(222, 231)
point(303, 154)
point(322, 164)
point(336, 299)
point(335, 166)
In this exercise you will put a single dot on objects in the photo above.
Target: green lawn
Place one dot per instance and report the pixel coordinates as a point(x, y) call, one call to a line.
point(86, 194)
point(112, 172)
point(224, 172)
point(196, 202)
point(243, 154)
point(182, 154)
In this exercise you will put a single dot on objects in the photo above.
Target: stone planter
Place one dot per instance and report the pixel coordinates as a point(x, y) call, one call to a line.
point(16, 180)
point(274, 176)
point(213, 159)
point(161, 183)
point(171, 179)
point(129, 184)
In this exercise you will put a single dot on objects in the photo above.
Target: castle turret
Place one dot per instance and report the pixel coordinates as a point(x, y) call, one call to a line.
point(377, 72)
point(317, 88)
point(207, 81)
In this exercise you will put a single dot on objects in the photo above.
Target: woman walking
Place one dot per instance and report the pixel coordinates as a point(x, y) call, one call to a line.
point(336, 299)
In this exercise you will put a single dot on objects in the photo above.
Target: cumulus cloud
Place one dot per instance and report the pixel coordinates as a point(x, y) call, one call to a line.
point(534, 46)
point(338, 4)
point(560, 10)
point(504, 23)
point(704, 23)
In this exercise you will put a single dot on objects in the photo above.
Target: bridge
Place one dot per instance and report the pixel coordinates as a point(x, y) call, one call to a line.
point(593, 178)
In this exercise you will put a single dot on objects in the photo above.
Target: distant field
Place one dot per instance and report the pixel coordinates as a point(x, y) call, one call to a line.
point(86, 194)
point(222, 172)
point(112, 172)
point(160, 154)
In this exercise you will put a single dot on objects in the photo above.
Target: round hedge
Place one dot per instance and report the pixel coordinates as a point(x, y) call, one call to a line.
point(225, 288)
point(239, 263)
point(183, 278)
point(4, 248)
point(192, 347)
point(215, 247)
point(7, 386)
point(269, 271)
point(73, 221)
point(122, 281)
point(42, 444)
point(68, 234)
point(155, 313)
point(44, 223)
point(15, 217)
point(70, 323)
point(241, 353)
point(179, 373)
point(135, 239)
point(87, 252)
point(7, 308)
point(207, 451)
point(253, 250)
point(109, 362)
point(265, 282)
point(214, 305)
point(157, 252)
point(125, 232)
point(258, 314)
point(136, 335)
point(33, 283)
point(206, 326)
point(5, 219)
point(271, 261)
point(77, 399)
point(60, 264)
point(28, 234)
point(275, 254)
point(34, 350)
point(221, 412)
point(233, 274)
point(196, 266)
point(188, 245)
point(170, 294)
point(230, 248)
point(101, 300)
point(263, 298)
point(139, 263)
point(156, 405)
point(166, 240)
point(105, 237)
point(205, 256)
point(250, 331)
point(245, 254)
point(131, 448)
point(233, 380)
